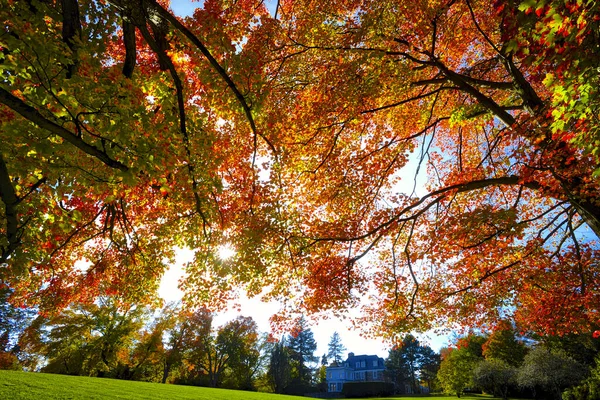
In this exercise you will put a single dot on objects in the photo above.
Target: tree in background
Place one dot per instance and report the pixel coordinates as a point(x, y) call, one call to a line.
point(91, 339)
point(280, 367)
point(13, 321)
point(456, 370)
point(302, 346)
point(458, 364)
point(550, 370)
point(240, 339)
point(430, 365)
point(231, 350)
point(336, 349)
point(405, 362)
point(589, 389)
point(503, 355)
point(171, 322)
point(495, 376)
point(503, 345)
point(146, 357)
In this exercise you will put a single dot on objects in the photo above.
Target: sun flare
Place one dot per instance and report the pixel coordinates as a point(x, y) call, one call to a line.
point(225, 252)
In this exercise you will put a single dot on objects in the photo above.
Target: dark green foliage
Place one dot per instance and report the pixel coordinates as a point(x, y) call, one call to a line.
point(280, 367)
point(302, 346)
point(582, 348)
point(495, 376)
point(550, 370)
point(409, 362)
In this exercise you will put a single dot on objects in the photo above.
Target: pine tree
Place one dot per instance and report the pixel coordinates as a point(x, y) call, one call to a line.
point(302, 346)
point(336, 348)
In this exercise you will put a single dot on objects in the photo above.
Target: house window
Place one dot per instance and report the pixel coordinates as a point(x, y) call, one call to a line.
point(358, 364)
point(374, 363)
point(330, 374)
point(363, 364)
point(339, 387)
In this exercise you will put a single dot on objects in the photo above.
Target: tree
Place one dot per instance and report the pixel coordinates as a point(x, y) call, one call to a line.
point(552, 371)
point(588, 389)
point(280, 368)
point(302, 347)
point(458, 364)
point(495, 376)
point(210, 355)
point(285, 135)
point(457, 370)
point(430, 366)
point(89, 340)
point(240, 339)
point(173, 323)
point(406, 360)
point(13, 321)
point(502, 345)
point(336, 349)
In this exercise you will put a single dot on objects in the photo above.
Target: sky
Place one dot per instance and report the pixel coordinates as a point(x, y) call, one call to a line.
point(261, 312)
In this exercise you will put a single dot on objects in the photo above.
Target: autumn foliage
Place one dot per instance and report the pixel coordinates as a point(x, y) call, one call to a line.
point(300, 136)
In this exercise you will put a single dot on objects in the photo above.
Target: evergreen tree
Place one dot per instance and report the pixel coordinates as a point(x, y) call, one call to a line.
point(302, 347)
point(410, 361)
point(280, 367)
point(336, 348)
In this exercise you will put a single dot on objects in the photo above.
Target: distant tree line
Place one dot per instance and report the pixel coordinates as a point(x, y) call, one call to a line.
point(111, 338)
point(505, 364)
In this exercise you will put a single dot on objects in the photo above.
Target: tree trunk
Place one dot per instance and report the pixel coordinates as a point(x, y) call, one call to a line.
point(166, 371)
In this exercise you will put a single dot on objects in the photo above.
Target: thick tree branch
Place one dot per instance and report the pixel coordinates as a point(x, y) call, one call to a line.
point(216, 66)
point(483, 100)
point(71, 30)
point(165, 60)
point(473, 81)
point(34, 116)
point(10, 200)
point(130, 48)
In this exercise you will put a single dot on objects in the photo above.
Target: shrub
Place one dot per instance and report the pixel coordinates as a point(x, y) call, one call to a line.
point(367, 389)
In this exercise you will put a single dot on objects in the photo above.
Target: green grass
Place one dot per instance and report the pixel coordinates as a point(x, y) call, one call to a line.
point(29, 385)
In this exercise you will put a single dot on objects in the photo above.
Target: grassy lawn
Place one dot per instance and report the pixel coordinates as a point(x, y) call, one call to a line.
point(28, 385)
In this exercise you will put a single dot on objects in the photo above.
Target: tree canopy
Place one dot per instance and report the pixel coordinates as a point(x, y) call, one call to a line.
point(286, 134)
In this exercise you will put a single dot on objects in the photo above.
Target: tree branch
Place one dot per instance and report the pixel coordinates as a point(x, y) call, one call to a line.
point(10, 200)
point(216, 66)
point(34, 116)
point(130, 48)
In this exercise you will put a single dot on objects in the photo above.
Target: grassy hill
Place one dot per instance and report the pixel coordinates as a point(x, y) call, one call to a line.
point(29, 385)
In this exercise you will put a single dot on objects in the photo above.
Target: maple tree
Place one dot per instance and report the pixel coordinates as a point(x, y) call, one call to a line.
point(284, 135)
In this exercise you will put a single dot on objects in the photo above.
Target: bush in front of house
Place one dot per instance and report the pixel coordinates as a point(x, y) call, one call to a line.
point(367, 389)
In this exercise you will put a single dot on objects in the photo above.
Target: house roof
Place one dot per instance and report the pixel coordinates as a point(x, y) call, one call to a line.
point(368, 359)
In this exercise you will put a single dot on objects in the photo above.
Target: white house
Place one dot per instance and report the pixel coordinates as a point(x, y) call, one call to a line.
point(361, 368)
